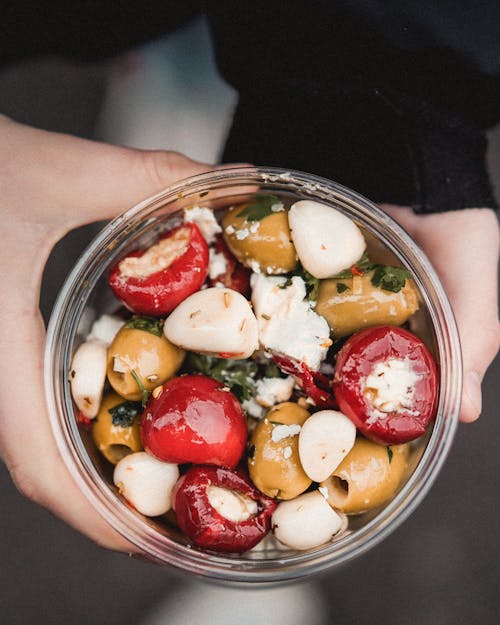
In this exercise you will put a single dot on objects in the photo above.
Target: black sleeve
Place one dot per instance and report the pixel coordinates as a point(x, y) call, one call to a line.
point(86, 30)
point(324, 90)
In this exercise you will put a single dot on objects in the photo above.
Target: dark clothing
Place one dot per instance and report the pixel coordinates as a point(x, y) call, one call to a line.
point(389, 98)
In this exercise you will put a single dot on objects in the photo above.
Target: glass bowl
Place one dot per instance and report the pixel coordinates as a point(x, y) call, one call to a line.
point(85, 295)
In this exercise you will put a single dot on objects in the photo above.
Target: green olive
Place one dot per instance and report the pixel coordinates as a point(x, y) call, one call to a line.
point(140, 355)
point(114, 441)
point(367, 477)
point(274, 465)
point(266, 242)
point(350, 304)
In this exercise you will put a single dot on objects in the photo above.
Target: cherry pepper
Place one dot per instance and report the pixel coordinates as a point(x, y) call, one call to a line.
point(385, 381)
point(153, 281)
point(207, 527)
point(194, 419)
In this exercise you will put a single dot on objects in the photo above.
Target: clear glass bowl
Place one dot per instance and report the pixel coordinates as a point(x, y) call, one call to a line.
point(85, 295)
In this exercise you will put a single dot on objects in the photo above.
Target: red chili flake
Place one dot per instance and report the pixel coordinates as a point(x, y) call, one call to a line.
point(315, 384)
point(356, 271)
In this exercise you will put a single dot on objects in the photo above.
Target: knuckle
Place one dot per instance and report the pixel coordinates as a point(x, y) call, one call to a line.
point(162, 168)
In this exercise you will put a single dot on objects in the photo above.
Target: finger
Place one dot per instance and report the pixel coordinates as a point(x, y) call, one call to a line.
point(26, 442)
point(463, 246)
point(85, 180)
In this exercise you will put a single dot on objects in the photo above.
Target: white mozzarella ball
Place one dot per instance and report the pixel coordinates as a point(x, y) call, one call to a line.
point(306, 521)
point(146, 482)
point(271, 391)
point(325, 440)
point(327, 242)
point(216, 321)
point(87, 376)
point(230, 504)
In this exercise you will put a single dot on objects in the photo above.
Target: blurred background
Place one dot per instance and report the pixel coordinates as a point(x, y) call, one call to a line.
point(440, 567)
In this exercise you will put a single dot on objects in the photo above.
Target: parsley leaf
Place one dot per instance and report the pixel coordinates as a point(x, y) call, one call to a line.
point(384, 276)
point(272, 370)
point(260, 206)
point(364, 264)
point(312, 283)
point(147, 324)
point(390, 453)
point(390, 278)
point(341, 287)
point(238, 375)
point(123, 415)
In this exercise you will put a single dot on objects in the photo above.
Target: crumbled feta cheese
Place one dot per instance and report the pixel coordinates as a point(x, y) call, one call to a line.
point(255, 267)
point(230, 230)
point(391, 385)
point(272, 391)
point(287, 323)
point(287, 452)
point(284, 431)
point(217, 264)
point(251, 407)
point(278, 207)
point(204, 218)
point(254, 227)
point(242, 234)
point(327, 368)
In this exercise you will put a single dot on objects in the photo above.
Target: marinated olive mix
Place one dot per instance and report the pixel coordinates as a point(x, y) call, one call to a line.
point(260, 382)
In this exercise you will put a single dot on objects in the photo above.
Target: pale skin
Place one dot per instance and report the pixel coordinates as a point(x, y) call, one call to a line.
point(51, 183)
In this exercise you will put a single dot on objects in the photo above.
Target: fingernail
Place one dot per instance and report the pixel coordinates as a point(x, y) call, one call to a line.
point(472, 389)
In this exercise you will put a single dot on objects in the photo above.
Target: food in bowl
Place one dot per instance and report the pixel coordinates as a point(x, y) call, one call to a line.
point(256, 377)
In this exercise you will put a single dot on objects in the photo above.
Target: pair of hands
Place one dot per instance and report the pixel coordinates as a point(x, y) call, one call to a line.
point(51, 183)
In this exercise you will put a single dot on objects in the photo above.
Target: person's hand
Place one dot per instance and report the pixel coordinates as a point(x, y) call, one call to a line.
point(463, 247)
point(49, 184)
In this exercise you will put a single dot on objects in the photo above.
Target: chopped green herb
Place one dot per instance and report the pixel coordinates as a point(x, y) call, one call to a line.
point(147, 324)
point(390, 278)
point(364, 264)
point(144, 392)
point(384, 276)
point(390, 453)
point(123, 415)
point(238, 375)
point(312, 283)
point(272, 370)
point(341, 287)
point(260, 207)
